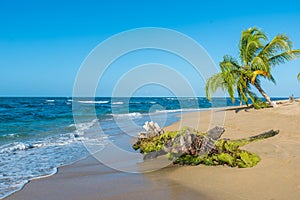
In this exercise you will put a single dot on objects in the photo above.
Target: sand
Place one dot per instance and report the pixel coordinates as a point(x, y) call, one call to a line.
point(277, 176)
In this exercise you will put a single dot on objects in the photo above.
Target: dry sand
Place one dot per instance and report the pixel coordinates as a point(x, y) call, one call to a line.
point(277, 176)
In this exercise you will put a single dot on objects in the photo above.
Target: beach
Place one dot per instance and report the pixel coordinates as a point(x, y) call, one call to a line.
point(112, 100)
point(276, 176)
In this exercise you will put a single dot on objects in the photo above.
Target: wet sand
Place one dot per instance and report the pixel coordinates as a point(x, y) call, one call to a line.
point(277, 176)
point(89, 179)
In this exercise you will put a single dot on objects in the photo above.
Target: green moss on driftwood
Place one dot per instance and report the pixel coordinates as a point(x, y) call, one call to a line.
point(225, 152)
point(228, 154)
point(156, 143)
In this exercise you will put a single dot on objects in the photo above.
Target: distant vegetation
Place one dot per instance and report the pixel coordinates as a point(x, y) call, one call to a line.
point(257, 56)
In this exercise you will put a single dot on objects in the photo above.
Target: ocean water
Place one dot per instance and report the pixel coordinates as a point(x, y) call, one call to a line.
point(37, 135)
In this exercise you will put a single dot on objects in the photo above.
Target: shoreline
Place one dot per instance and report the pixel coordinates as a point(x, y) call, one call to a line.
point(185, 174)
point(44, 176)
point(57, 169)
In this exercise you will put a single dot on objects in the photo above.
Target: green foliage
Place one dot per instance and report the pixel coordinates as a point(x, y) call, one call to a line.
point(242, 159)
point(248, 159)
point(229, 154)
point(189, 160)
point(259, 104)
point(226, 158)
point(155, 143)
point(257, 57)
point(298, 77)
point(230, 145)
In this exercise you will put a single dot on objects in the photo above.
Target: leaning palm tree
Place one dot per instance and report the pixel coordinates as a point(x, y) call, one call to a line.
point(256, 59)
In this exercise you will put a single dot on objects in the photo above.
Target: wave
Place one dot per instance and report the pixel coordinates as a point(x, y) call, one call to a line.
point(139, 115)
point(49, 142)
point(180, 110)
point(50, 100)
point(171, 98)
point(13, 147)
point(52, 152)
point(130, 115)
point(94, 102)
point(82, 127)
point(10, 135)
point(136, 102)
point(142, 102)
point(63, 139)
point(117, 103)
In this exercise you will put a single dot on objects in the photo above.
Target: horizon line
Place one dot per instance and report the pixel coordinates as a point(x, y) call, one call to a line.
point(131, 97)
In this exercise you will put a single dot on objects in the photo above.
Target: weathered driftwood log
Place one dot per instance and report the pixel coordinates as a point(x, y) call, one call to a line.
point(194, 143)
point(188, 146)
point(261, 136)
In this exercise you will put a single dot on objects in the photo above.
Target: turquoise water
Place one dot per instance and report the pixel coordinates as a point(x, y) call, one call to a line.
point(37, 135)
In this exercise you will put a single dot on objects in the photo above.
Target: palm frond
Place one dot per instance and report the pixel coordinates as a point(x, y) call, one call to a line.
point(278, 44)
point(284, 57)
point(242, 92)
point(229, 63)
point(243, 86)
point(271, 78)
point(251, 40)
point(226, 79)
point(298, 77)
point(213, 83)
point(259, 63)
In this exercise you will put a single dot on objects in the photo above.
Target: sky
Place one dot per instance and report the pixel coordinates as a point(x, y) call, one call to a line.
point(44, 43)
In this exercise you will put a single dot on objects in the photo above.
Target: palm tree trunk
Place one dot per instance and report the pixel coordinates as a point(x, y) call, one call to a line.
point(264, 94)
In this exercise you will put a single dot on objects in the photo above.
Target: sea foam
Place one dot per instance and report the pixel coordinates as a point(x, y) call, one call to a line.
point(40, 158)
point(94, 102)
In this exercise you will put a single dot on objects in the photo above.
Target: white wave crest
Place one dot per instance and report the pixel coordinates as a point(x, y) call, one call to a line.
point(179, 110)
point(94, 102)
point(82, 127)
point(129, 115)
point(13, 147)
point(117, 103)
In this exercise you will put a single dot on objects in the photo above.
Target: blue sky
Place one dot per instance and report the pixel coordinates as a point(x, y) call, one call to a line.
point(43, 43)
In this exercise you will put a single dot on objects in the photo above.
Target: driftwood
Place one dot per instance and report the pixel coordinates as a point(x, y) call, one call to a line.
point(195, 146)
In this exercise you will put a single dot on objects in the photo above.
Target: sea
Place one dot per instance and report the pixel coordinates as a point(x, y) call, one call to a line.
point(39, 134)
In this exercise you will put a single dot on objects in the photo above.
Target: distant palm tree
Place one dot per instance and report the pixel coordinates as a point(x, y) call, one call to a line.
point(256, 59)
